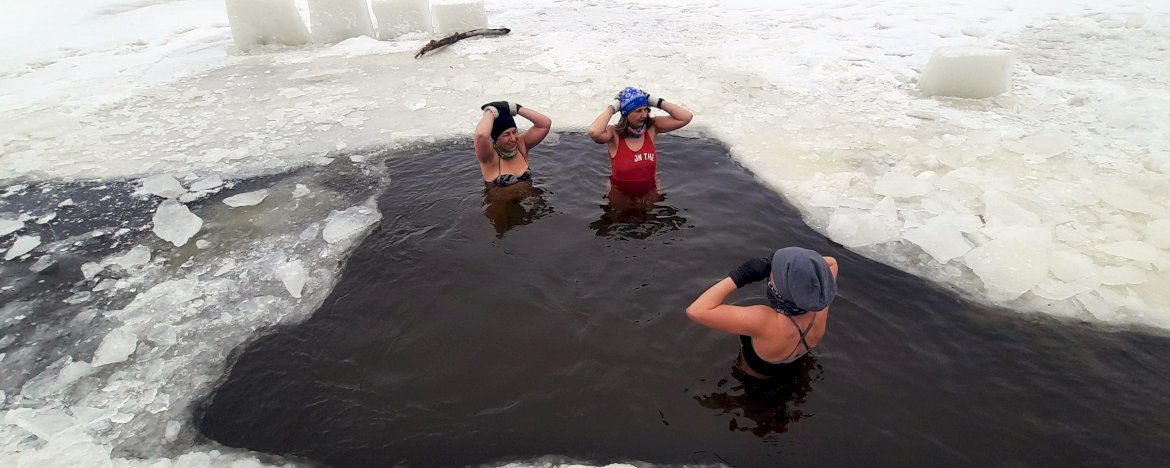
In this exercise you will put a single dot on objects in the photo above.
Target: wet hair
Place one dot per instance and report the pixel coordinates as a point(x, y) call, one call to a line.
point(623, 125)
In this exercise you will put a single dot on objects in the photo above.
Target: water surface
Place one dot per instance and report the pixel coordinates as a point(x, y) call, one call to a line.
point(474, 328)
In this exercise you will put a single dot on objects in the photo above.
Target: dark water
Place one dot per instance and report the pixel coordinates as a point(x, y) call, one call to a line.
point(464, 335)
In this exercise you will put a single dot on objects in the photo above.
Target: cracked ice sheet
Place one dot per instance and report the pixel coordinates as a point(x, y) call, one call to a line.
point(832, 94)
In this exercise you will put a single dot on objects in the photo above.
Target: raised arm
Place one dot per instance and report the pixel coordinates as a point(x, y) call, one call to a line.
point(678, 116)
point(483, 137)
point(540, 126)
point(599, 130)
point(710, 311)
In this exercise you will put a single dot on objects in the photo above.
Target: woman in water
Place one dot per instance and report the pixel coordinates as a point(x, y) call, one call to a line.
point(632, 156)
point(502, 150)
point(801, 285)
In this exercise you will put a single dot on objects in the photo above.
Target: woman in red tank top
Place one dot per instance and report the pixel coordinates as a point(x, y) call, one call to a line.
point(633, 157)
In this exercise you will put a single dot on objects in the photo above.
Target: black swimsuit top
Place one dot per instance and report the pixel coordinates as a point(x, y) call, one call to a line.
point(763, 367)
point(504, 180)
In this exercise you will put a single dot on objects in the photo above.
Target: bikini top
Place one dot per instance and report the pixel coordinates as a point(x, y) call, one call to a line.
point(504, 180)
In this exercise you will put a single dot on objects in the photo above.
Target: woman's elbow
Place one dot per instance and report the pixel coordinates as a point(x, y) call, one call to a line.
point(695, 314)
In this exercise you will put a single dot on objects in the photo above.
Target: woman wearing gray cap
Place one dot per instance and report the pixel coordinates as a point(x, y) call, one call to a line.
point(801, 285)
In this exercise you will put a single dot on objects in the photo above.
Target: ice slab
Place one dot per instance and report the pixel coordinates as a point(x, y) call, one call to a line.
point(1013, 263)
point(1124, 197)
point(1122, 275)
point(967, 72)
point(858, 229)
point(1133, 250)
point(207, 183)
point(902, 185)
point(293, 275)
point(21, 246)
point(342, 225)
point(139, 255)
point(174, 223)
point(259, 22)
point(47, 424)
point(398, 17)
point(1158, 233)
point(998, 209)
point(9, 226)
point(246, 199)
point(940, 238)
point(300, 191)
point(116, 347)
point(455, 16)
point(338, 20)
point(163, 185)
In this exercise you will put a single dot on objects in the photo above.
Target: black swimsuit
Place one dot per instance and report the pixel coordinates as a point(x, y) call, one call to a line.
point(771, 369)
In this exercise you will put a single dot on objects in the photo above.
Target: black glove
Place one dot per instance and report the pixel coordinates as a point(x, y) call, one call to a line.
point(502, 106)
point(751, 271)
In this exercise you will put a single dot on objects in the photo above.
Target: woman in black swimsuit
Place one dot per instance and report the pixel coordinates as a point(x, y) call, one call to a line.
point(502, 150)
point(801, 285)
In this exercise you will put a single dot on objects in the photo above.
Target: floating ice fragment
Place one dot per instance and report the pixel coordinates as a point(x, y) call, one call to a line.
point(1133, 250)
point(67, 202)
point(246, 199)
point(1127, 274)
point(1125, 197)
point(1158, 233)
point(227, 266)
point(858, 229)
point(341, 225)
point(293, 275)
point(1073, 267)
point(48, 424)
point(163, 185)
point(91, 269)
point(42, 263)
point(202, 244)
point(300, 191)
point(9, 226)
point(1012, 263)
point(902, 186)
point(172, 431)
point(967, 72)
point(310, 232)
point(117, 346)
point(207, 183)
point(21, 246)
point(47, 218)
point(122, 418)
point(175, 223)
point(454, 16)
point(139, 255)
point(941, 239)
point(999, 210)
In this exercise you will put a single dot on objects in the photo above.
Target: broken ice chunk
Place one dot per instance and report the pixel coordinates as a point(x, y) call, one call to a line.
point(117, 346)
point(163, 185)
point(91, 269)
point(293, 275)
point(999, 210)
point(300, 191)
point(42, 263)
point(341, 225)
point(21, 246)
point(138, 255)
point(902, 186)
point(9, 226)
point(1127, 274)
point(1133, 250)
point(1012, 263)
point(941, 239)
point(858, 229)
point(246, 199)
point(47, 218)
point(174, 223)
point(48, 424)
point(172, 431)
point(207, 183)
point(967, 72)
point(1124, 197)
point(1158, 233)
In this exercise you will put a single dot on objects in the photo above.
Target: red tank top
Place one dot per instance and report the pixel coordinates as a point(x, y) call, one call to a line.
point(630, 166)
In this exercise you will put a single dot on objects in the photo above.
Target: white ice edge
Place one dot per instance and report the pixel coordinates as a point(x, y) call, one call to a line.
point(818, 99)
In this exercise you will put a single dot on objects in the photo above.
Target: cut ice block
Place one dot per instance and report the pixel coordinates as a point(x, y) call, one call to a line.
point(455, 16)
point(397, 17)
point(338, 20)
point(967, 72)
point(259, 22)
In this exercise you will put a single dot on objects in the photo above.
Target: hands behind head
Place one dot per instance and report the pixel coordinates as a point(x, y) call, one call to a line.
point(497, 107)
point(751, 271)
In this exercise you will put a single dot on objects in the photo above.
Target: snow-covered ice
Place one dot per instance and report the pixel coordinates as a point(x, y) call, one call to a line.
point(1049, 196)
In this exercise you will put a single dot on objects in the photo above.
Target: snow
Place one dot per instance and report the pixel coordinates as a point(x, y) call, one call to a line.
point(398, 17)
point(455, 16)
point(1048, 196)
point(967, 72)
